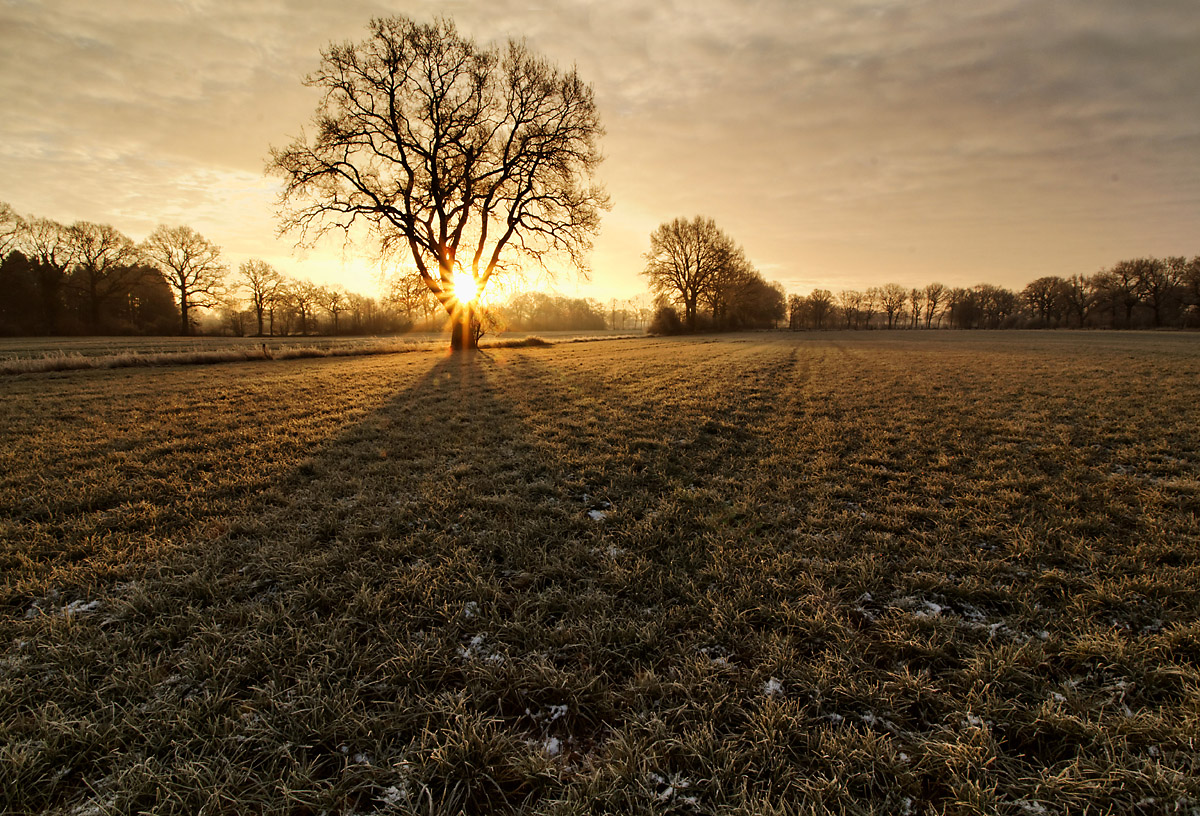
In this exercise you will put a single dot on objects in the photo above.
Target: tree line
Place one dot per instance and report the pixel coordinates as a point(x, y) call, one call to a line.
point(87, 278)
point(1131, 294)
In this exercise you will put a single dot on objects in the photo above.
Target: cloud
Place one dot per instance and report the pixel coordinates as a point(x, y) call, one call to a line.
point(850, 141)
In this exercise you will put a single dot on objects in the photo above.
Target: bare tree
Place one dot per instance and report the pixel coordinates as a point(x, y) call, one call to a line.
point(48, 243)
point(261, 282)
point(870, 304)
point(1078, 297)
point(407, 293)
point(891, 298)
point(335, 301)
point(450, 152)
point(935, 293)
point(303, 297)
point(1191, 284)
point(685, 260)
point(1159, 281)
point(820, 306)
point(1124, 287)
point(916, 299)
point(192, 266)
point(11, 227)
point(105, 265)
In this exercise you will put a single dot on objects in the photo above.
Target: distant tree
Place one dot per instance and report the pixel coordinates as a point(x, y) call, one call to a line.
point(11, 227)
point(1078, 297)
point(684, 261)
point(105, 266)
point(962, 306)
point(192, 266)
point(666, 320)
point(302, 298)
point(797, 312)
point(1046, 298)
point(20, 300)
point(407, 293)
point(916, 299)
point(820, 306)
point(935, 294)
point(1191, 287)
point(1160, 285)
point(262, 283)
point(449, 152)
point(726, 293)
point(1124, 287)
point(996, 305)
point(149, 307)
point(48, 244)
point(891, 298)
point(870, 304)
point(333, 300)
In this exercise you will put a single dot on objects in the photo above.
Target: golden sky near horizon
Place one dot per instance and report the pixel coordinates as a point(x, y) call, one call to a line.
point(843, 144)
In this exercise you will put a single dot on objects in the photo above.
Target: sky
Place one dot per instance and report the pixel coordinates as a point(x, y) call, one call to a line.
point(843, 144)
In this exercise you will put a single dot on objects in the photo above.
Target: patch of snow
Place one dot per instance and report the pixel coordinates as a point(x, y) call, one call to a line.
point(551, 746)
point(471, 609)
point(836, 719)
point(1031, 806)
point(773, 688)
point(395, 795)
point(476, 650)
point(597, 515)
point(929, 610)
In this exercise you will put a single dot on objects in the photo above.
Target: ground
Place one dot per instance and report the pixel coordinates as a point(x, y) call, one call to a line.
point(885, 572)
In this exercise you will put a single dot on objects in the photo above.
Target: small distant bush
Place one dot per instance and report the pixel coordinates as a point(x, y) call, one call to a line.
point(666, 321)
point(524, 342)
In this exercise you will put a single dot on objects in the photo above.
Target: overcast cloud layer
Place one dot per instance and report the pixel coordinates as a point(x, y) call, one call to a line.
point(842, 143)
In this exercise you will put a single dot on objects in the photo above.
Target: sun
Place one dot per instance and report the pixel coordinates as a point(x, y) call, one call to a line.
point(464, 287)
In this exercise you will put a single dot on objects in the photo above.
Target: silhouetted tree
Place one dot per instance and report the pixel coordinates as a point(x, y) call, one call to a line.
point(820, 306)
point(11, 226)
point(935, 293)
point(916, 299)
point(450, 152)
point(333, 300)
point(20, 302)
point(261, 282)
point(1159, 282)
point(1045, 296)
point(105, 266)
point(192, 266)
point(48, 244)
point(1124, 287)
point(891, 299)
point(870, 304)
point(1191, 287)
point(302, 297)
point(684, 261)
point(1078, 297)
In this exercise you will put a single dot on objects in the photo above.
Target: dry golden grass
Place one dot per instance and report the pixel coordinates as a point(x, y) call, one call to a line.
point(909, 573)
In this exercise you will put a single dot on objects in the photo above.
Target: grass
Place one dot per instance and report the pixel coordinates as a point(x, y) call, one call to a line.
point(842, 573)
point(58, 354)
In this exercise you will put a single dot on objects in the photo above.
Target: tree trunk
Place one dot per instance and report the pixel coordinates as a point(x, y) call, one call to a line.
point(184, 327)
point(462, 337)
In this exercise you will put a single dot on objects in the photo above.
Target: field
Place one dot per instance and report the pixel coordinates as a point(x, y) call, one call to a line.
point(893, 573)
point(25, 348)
